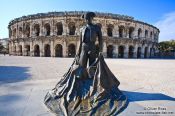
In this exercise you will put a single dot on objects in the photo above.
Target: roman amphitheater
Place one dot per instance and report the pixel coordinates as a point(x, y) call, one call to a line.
point(56, 34)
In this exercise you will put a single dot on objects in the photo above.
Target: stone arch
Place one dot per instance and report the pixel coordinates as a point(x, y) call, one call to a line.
point(47, 52)
point(71, 28)
point(146, 52)
point(71, 50)
point(36, 29)
point(151, 34)
point(146, 33)
point(27, 48)
point(152, 51)
point(36, 50)
point(27, 30)
point(139, 52)
point(110, 51)
point(131, 32)
point(110, 30)
point(131, 52)
point(121, 51)
point(10, 33)
point(58, 50)
point(20, 50)
point(20, 31)
point(14, 33)
point(139, 33)
point(47, 29)
point(59, 28)
point(121, 31)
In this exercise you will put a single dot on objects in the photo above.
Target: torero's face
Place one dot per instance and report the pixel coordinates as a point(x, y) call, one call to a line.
point(89, 20)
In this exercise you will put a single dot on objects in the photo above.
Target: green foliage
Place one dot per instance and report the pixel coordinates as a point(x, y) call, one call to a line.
point(167, 46)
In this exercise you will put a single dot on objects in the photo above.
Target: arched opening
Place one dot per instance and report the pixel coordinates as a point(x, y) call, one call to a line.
point(131, 32)
point(146, 52)
point(71, 28)
point(139, 52)
point(36, 50)
point(71, 50)
point(20, 31)
point(27, 30)
point(58, 50)
point(110, 51)
point(151, 35)
point(27, 47)
point(139, 33)
point(146, 33)
point(131, 52)
point(20, 50)
point(121, 31)
point(59, 28)
point(14, 33)
point(47, 29)
point(110, 30)
point(47, 50)
point(121, 52)
point(36, 29)
point(97, 49)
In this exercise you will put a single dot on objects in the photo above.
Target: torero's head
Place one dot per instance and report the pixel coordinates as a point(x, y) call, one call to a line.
point(88, 17)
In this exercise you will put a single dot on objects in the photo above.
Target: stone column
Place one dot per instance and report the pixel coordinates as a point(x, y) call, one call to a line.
point(135, 32)
point(148, 52)
point(23, 49)
point(64, 28)
point(41, 29)
point(52, 48)
point(17, 49)
point(104, 50)
point(64, 49)
point(31, 49)
point(52, 29)
point(115, 51)
point(41, 49)
point(31, 32)
point(126, 51)
point(127, 33)
point(142, 51)
point(115, 31)
point(135, 51)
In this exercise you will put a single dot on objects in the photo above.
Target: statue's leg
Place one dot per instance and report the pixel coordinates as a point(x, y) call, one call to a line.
point(83, 58)
point(92, 57)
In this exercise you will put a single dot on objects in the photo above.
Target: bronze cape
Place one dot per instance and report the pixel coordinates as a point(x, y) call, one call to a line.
point(92, 91)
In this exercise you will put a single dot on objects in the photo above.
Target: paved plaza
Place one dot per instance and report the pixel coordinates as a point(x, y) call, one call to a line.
point(24, 81)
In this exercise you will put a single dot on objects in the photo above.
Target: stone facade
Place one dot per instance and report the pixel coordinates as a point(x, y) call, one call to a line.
point(56, 34)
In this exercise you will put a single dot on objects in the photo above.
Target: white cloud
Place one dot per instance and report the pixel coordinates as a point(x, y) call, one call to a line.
point(167, 27)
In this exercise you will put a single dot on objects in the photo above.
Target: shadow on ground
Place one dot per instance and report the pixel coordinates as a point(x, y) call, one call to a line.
point(11, 74)
point(9, 105)
point(138, 96)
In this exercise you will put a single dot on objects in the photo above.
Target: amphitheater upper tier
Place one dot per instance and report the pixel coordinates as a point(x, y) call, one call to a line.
point(56, 34)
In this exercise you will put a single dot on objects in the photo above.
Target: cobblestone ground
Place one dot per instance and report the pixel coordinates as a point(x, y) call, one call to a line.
point(24, 81)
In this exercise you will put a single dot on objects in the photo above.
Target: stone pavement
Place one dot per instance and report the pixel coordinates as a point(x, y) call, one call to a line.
point(24, 81)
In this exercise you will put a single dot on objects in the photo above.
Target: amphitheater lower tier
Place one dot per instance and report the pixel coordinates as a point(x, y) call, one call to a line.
point(66, 46)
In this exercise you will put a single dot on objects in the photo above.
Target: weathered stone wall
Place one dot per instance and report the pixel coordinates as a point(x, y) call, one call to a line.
point(57, 34)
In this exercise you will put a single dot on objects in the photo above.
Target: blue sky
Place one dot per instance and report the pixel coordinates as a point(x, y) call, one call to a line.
point(160, 13)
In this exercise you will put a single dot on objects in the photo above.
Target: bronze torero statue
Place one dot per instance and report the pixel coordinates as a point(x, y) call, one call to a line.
point(87, 91)
point(88, 35)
